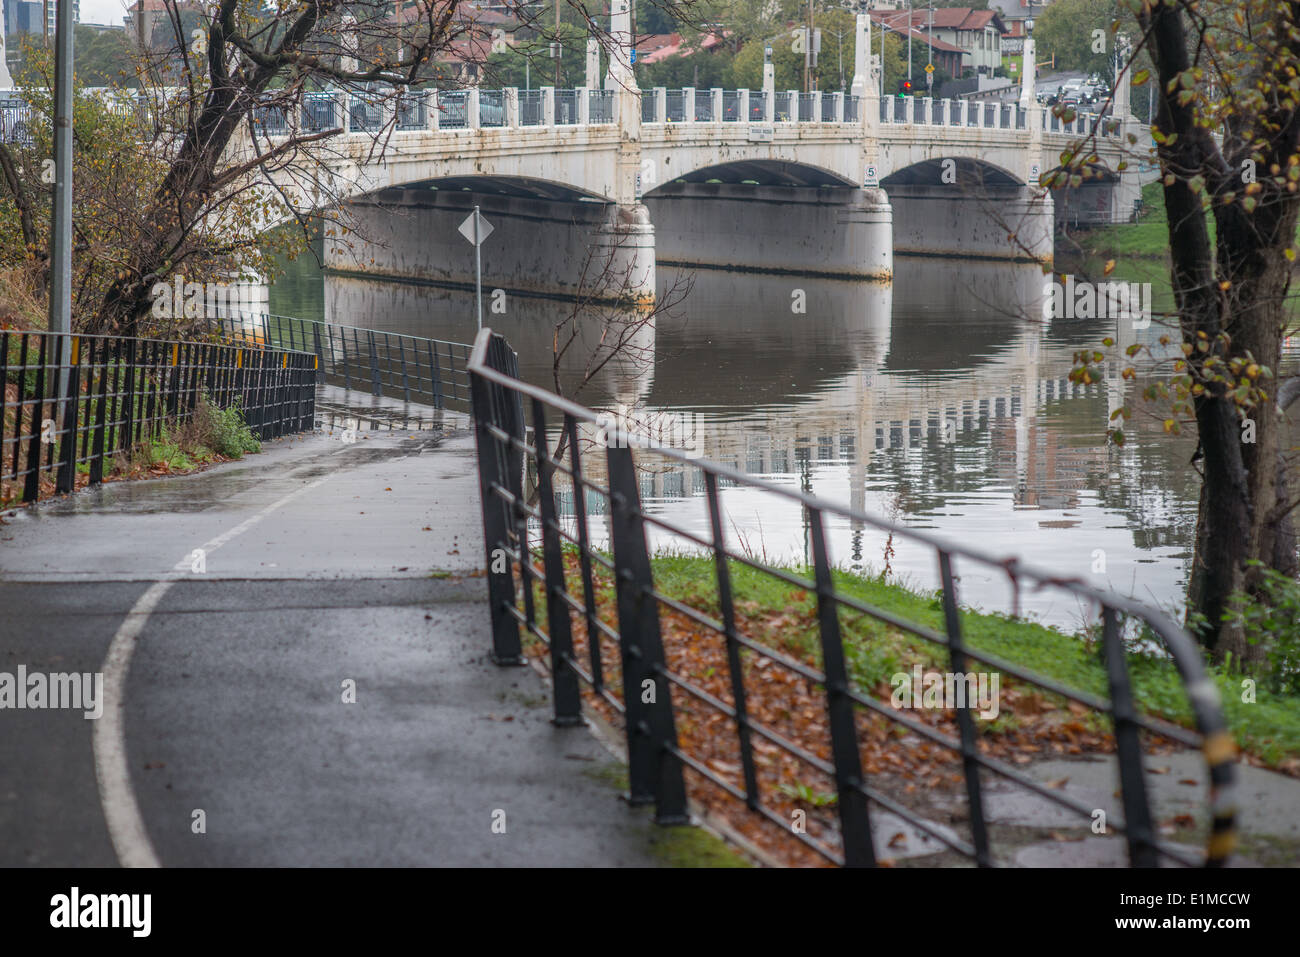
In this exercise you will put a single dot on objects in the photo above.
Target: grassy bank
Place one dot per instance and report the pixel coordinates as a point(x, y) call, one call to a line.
point(1146, 238)
point(1031, 726)
point(1268, 729)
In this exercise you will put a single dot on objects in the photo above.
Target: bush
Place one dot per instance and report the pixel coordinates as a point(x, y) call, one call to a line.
point(1272, 619)
point(223, 430)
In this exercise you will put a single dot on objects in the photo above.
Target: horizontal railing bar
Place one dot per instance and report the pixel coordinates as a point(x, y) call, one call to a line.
point(1044, 577)
point(761, 808)
point(889, 804)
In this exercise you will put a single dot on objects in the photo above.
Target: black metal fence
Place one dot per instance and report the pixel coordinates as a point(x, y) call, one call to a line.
point(72, 402)
point(412, 368)
point(513, 425)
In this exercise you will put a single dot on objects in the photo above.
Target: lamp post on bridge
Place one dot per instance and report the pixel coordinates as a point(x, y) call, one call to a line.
point(1029, 68)
point(861, 49)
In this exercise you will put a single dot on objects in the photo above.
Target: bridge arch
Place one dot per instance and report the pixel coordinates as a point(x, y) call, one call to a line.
point(550, 238)
point(969, 207)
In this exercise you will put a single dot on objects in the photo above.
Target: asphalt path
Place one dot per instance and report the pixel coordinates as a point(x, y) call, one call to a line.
point(329, 570)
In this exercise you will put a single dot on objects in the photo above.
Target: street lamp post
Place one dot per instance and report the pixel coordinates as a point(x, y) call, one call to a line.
point(61, 218)
point(929, 48)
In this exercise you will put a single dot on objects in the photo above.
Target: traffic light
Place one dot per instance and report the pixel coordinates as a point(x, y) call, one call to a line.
point(904, 87)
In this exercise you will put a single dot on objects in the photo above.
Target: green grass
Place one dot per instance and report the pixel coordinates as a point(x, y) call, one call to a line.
point(1147, 238)
point(674, 846)
point(1269, 728)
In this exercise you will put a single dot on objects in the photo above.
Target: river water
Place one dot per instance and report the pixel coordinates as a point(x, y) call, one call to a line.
point(940, 400)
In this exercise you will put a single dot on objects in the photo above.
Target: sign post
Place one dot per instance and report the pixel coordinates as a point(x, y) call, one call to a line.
point(476, 229)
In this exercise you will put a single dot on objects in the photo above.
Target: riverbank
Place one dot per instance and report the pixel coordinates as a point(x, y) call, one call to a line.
point(1267, 730)
point(1147, 238)
point(1040, 733)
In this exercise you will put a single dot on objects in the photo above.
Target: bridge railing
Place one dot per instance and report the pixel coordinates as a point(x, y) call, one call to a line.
point(530, 108)
point(491, 108)
point(412, 110)
point(546, 462)
point(566, 107)
point(383, 364)
point(785, 107)
point(603, 106)
point(72, 403)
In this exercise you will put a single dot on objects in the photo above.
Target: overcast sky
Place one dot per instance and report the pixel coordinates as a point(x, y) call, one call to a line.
point(103, 11)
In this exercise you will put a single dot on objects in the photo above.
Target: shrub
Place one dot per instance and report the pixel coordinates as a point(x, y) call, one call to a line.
point(1272, 619)
point(223, 430)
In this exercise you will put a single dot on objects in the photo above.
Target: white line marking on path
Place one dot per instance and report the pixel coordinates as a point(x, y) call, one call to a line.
point(121, 812)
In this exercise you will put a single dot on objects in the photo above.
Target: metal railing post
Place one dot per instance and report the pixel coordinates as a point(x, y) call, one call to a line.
point(68, 449)
point(1128, 746)
point(654, 770)
point(584, 554)
point(855, 825)
point(489, 404)
point(965, 723)
point(32, 485)
point(733, 645)
point(564, 680)
point(376, 388)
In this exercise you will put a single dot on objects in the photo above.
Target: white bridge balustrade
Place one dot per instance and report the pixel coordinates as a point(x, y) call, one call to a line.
point(826, 183)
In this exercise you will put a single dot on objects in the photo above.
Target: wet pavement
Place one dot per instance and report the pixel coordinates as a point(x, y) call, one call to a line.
point(312, 689)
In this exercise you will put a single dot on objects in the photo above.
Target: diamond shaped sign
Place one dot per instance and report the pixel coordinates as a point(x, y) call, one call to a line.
point(476, 228)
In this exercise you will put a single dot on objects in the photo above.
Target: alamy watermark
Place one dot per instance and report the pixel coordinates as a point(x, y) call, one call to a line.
point(75, 909)
point(36, 690)
point(179, 299)
point(946, 690)
point(1098, 300)
point(680, 431)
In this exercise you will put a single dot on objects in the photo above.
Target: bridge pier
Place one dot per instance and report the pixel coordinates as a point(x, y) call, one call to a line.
point(561, 246)
point(622, 257)
point(1012, 223)
point(831, 231)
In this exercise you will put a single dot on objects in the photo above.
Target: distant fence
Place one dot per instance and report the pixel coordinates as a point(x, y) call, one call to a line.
point(120, 392)
point(412, 368)
point(628, 670)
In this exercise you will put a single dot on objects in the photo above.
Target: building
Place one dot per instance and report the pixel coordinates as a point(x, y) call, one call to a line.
point(946, 56)
point(144, 16)
point(1014, 14)
point(974, 36)
point(24, 16)
point(51, 15)
point(654, 48)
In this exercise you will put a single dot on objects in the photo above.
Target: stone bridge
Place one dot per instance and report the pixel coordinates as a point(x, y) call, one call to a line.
point(604, 181)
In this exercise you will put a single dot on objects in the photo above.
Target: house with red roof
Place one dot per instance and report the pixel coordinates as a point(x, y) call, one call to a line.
point(960, 38)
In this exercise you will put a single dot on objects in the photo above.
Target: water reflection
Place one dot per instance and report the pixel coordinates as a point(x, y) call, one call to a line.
point(941, 401)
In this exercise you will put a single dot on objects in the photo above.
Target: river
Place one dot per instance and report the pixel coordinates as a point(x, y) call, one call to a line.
point(940, 400)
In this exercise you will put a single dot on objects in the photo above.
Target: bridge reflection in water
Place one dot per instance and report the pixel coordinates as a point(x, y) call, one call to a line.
point(940, 399)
